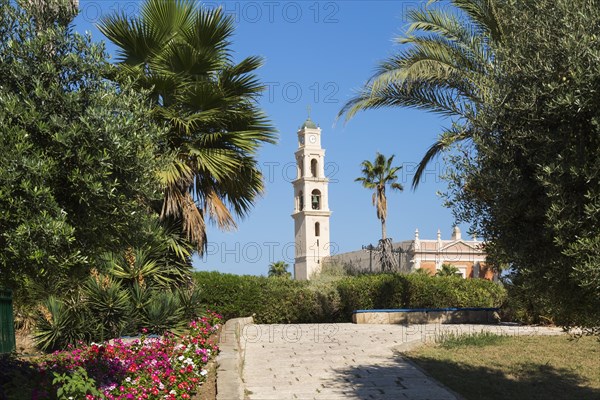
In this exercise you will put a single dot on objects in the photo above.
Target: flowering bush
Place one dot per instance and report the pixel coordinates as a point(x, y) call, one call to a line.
point(166, 367)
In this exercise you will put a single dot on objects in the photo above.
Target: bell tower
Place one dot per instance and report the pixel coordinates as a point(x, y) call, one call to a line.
point(311, 208)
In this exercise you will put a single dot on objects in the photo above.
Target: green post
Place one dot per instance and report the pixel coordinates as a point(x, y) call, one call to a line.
point(7, 323)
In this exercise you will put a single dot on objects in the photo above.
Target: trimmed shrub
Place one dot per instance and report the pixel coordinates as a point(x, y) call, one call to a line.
point(441, 292)
point(327, 301)
point(271, 300)
point(231, 295)
point(283, 301)
point(368, 292)
point(275, 300)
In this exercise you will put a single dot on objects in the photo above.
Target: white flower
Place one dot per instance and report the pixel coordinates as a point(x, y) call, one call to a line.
point(173, 391)
point(181, 358)
point(203, 372)
point(128, 379)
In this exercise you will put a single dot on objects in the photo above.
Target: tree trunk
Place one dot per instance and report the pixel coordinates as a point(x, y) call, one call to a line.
point(387, 258)
point(383, 232)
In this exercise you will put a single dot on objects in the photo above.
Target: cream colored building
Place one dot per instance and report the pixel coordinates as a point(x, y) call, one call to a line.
point(466, 255)
point(429, 254)
point(311, 203)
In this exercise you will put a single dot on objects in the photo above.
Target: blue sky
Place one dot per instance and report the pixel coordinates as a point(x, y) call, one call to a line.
point(317, 53)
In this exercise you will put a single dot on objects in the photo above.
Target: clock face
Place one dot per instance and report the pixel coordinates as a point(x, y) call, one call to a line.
point(312, 138)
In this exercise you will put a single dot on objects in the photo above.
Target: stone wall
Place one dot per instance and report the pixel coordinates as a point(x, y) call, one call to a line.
point(427, 316)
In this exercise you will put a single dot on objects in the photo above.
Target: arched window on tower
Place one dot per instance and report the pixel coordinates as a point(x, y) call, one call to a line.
point(300, 168)
point(313, 167)
point(315, 199)
point(317, 229)
point(301, 201)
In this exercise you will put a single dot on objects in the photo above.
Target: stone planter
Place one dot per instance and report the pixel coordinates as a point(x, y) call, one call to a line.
point(409, 316)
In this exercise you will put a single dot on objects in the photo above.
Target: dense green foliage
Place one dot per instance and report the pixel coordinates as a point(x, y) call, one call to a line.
point(75, 385)
point(106, 306)
point(271, 300)
point(98, 178)
point(288, 301)
point(371, 292)
point(531, 185)
point(519, 80)
point(181, 52)
point(437, 291)
point(77, 154)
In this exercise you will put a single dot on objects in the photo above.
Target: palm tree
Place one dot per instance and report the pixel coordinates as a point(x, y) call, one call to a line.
point(448, 270)
point(180, 54)
point(377, 176)
point(422, 271)
point(443, 67)
point(279, 269)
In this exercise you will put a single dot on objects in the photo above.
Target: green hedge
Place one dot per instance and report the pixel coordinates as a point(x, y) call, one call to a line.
point(439, 292)
point(271, 300)
point(276, 300)
point(368, 292)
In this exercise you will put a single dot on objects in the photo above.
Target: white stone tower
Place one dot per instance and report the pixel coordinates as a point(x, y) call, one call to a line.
point(311, 209)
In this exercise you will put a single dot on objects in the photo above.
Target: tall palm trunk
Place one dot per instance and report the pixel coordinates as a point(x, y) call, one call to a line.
point(377, 176)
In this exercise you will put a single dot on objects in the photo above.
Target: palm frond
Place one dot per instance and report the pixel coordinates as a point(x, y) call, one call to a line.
point(212, 29)
point(443, 67)
point(218, 211)
point(483, 14)
point(192, 219)
point(446, 140)
point(166, 18)
point(181, 53)
point(423, 96)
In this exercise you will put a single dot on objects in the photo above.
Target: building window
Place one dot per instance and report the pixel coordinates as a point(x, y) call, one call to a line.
point(301, 201)
point(317, 229)
point(313, 168)
point(316, 200)
point(300, 168)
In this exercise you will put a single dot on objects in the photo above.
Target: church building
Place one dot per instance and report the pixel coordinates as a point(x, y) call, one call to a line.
point(468, 256)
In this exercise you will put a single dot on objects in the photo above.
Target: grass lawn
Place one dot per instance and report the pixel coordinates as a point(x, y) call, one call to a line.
point(516, 367)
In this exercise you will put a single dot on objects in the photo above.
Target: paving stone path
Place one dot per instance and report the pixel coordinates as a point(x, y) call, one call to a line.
point(345, 361)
